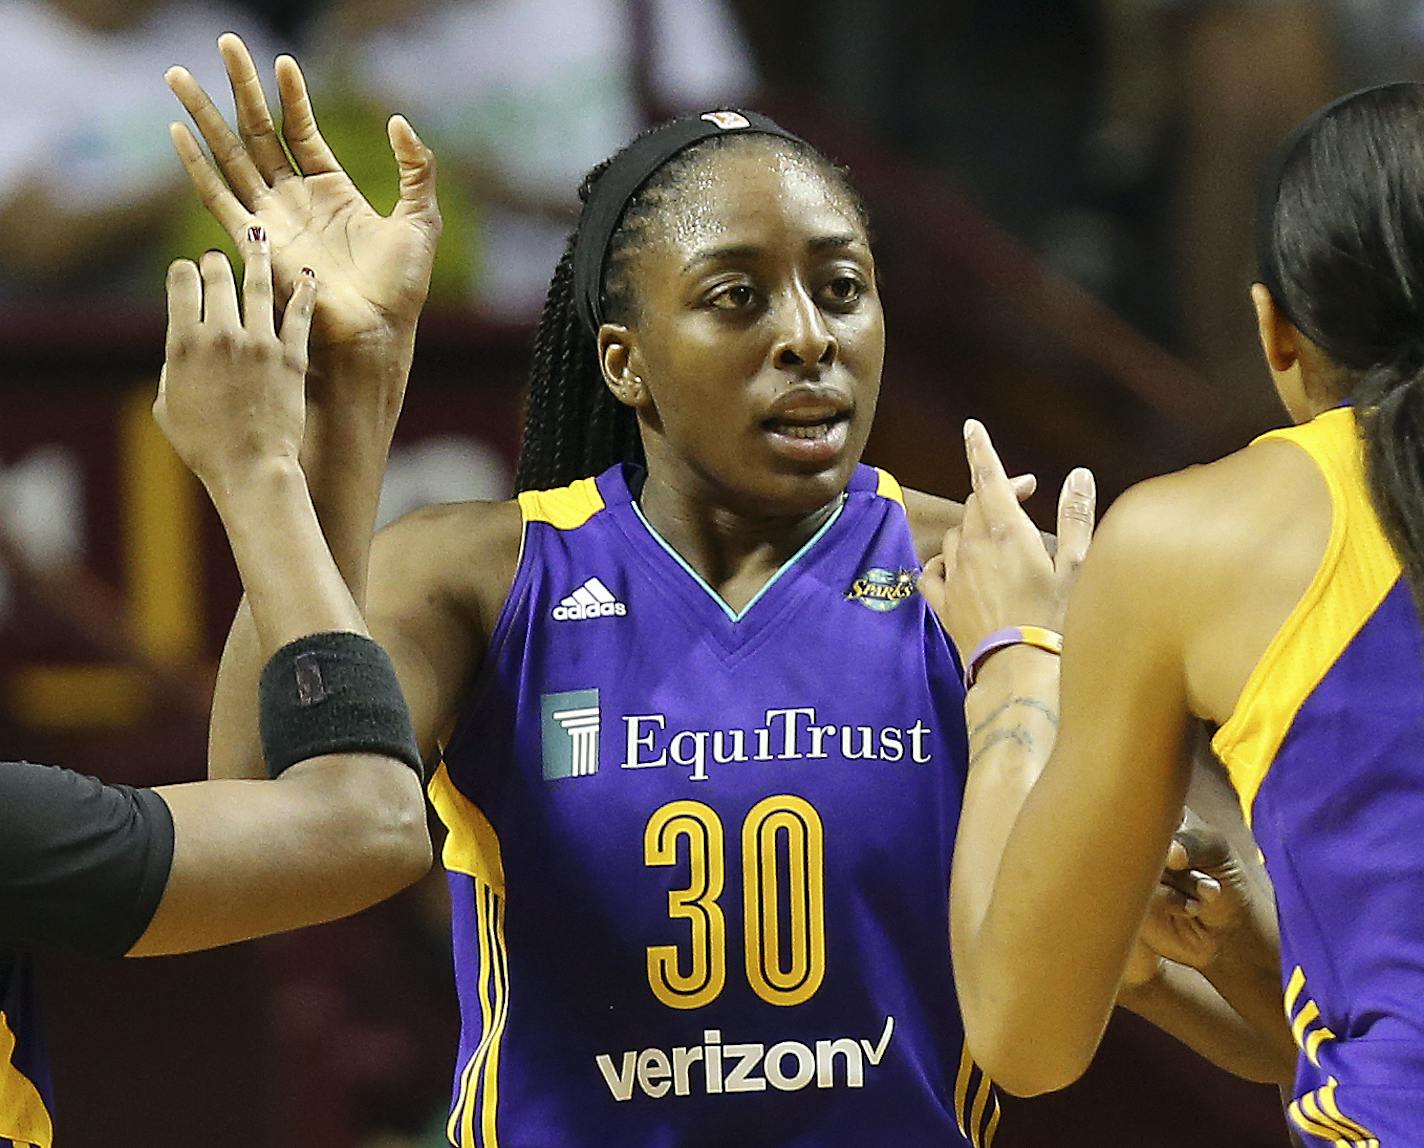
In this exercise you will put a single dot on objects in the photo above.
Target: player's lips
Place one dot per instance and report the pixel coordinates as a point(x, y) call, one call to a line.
point(809, 424)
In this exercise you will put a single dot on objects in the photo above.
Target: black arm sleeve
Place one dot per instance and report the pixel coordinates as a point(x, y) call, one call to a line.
point(83, 865)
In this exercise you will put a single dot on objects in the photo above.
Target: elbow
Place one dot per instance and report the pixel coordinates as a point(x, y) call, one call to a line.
point(1024, 1060)
point(401, 837)
point(383, 827)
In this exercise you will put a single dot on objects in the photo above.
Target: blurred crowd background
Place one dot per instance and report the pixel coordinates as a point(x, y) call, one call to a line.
point(1062, 192)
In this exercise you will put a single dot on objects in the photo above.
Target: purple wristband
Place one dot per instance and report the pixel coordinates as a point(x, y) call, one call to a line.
point(1039, 637)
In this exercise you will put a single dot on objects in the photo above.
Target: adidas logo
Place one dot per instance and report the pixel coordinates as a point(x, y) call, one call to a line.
point(591, 600)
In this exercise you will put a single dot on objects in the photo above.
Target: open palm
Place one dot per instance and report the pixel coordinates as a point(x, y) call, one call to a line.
point(374, 270)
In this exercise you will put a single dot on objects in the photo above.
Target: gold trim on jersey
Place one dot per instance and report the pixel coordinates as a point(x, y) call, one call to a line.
point(888, 487)
point(23, 1116)
point(1358, 570)
point(1307, 1038)
point(472, 845)
point(1318, 1112)
point(473, 1116)
point(566, 508)
point(974, 1095)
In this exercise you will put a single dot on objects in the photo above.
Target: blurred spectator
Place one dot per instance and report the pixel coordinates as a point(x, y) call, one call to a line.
point(89, 185)
point(519, 98)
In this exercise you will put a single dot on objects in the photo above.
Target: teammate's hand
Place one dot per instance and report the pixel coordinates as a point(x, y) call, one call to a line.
point(995, 571)
point(374, 269)
point(230, 397)
point(1201, 901)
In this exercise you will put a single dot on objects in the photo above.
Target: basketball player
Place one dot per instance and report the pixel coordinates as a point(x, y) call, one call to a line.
point(107, 870)
point(702, 742)
point(1273, 594)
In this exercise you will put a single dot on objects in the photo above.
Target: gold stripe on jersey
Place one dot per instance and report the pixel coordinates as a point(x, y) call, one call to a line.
point(23, 1116)
point(1301, 1020)
point(1356, 573)
point(566, 508)
point(472, 845)
point(1319, 1113)
point(887, 487)
point(473, 1115)
point(974, 1095)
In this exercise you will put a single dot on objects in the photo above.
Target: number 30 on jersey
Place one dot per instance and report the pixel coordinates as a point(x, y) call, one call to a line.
point(783, 845)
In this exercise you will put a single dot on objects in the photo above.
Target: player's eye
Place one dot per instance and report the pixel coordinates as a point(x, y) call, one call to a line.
point(733, 297)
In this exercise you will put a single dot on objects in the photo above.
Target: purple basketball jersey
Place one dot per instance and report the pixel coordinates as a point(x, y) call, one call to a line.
point(699, 859)
point(1326, 750)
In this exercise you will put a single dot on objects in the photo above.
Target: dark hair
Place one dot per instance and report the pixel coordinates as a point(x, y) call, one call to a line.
point(1342, 252)
point(573, 425)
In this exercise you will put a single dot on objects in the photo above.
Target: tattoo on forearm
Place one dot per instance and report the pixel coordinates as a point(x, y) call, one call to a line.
point(1016, 733)
point(1047, 711)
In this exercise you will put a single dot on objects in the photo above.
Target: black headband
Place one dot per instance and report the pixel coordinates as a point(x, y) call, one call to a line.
point(1268, 271)
point(629, 171)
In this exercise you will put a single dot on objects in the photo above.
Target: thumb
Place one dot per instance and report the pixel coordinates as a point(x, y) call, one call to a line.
point(417, 174)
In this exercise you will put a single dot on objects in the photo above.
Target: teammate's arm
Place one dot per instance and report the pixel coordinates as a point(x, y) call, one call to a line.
point(341, 829)
point(1037, 977)
point(1206, 966)
point(374, 270)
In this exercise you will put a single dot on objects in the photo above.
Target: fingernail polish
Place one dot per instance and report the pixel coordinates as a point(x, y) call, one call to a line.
point(308, 272)
point(256, 234)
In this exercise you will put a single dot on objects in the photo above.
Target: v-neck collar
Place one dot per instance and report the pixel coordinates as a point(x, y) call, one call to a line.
point(702, 612)
point(735, 616)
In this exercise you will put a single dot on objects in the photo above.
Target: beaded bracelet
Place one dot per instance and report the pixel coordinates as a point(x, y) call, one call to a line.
point(1039, 637)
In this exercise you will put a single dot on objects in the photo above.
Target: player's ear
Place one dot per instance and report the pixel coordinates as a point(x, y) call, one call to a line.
point(619, 359)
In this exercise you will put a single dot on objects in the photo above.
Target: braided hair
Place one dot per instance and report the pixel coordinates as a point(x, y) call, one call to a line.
point(573, 425)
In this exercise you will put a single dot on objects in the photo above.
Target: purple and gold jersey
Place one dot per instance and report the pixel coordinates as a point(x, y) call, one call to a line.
point(1326, 750)
point(25, 1120)
point(699, 857)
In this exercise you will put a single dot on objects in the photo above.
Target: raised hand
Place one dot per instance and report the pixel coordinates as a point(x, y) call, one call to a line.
point(374, 269)
point(995, 571)
point(230, 397)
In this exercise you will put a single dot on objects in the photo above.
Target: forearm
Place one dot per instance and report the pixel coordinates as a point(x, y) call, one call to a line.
point(293, 589)
point(1037, 977)
point(353, 405)
point(1247, 975)
point(331, 836)
point(1182, 1002)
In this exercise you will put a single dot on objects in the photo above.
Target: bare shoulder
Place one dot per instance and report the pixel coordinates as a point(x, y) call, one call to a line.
point(1220, 513)
point(458, 557)
point(930, 516)
point(1219, 549)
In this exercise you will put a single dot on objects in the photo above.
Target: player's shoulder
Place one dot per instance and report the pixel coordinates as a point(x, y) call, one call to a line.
point(929, 516)
point(457, 552)
point(1199, 531)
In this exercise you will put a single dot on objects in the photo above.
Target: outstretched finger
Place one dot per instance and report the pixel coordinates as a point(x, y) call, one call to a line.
point(229, 152)
point(184, 289)
point(215, 195)
point(257, 281)
point(417, 173)
point(986, 473)
point(254, 120)
point(1077, 511)
point(299, 128)
point(219, 292)
point(296, 321)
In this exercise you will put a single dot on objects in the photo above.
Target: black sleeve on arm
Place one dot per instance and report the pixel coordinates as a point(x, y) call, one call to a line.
point(83, 865)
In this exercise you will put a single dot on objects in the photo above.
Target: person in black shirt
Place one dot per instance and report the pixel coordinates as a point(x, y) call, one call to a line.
point(109, 870)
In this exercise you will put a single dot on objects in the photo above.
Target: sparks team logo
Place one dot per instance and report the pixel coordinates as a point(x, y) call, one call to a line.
point(880, 590)
point(571, 722)
point(727, 121)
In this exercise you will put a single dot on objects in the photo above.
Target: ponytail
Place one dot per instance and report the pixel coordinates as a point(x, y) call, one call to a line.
point(1390, 406)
